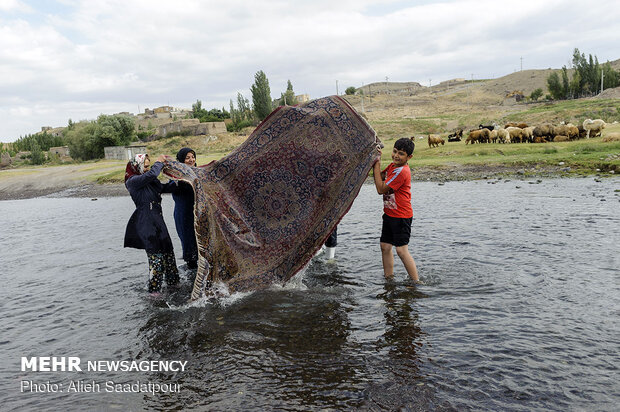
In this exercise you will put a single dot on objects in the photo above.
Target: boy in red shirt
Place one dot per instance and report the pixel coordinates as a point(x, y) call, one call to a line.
point(397, 211)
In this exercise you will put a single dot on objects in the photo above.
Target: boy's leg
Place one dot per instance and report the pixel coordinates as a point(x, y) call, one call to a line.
point(387, 257)
point(407, 259)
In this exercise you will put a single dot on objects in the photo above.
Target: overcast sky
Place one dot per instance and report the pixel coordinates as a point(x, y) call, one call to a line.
point(76, 59)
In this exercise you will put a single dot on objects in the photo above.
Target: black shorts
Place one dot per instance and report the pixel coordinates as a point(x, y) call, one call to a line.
point(396, 230)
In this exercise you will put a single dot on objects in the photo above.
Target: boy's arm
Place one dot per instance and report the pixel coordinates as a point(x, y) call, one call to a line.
point(382, 188)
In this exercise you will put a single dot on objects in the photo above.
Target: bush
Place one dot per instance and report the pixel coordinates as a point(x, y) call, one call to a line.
point(235, 127)
point(182, 132)
point(350, 90)
point(536, 94)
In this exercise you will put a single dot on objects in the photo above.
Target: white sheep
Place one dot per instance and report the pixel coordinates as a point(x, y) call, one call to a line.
point(595, 126)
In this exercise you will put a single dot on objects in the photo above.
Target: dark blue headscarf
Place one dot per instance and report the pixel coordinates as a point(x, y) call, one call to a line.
point(183, 152)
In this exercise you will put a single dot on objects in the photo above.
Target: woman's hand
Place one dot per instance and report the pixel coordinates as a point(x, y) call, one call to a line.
point(163, 158)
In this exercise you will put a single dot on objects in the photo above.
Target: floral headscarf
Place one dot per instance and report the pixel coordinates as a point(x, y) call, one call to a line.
point(135, 166)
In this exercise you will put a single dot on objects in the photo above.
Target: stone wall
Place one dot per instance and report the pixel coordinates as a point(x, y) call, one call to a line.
point(60, 150)
point(123, 152)
point(192, 127)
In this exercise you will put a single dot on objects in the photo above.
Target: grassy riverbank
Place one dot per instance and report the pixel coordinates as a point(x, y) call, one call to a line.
point(429, 111)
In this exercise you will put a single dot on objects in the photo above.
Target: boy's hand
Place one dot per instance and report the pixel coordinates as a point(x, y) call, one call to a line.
point(379, 153)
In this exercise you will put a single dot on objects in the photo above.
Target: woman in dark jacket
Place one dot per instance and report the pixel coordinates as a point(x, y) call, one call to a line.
point(183, 196)
point(146, 228)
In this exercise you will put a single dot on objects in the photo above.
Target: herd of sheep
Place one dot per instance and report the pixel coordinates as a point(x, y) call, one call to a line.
point(523, 133)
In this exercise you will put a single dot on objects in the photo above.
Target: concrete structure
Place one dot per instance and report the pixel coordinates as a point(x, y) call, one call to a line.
point(123, 152)
point(188, 127)
point(163, 109)
point(52, 131)
point(60, 150)
point(302, 98)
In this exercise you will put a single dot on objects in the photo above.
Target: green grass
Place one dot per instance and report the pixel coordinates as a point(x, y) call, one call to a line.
point(581, 155)
point(577, 110)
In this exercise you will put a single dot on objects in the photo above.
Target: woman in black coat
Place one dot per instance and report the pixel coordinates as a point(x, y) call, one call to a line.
point(183, 196)
point(146, 228)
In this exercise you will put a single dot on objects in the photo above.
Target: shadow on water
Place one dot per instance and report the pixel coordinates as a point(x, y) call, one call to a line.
point(402, 387)
point(291, 346)
point(288, 346)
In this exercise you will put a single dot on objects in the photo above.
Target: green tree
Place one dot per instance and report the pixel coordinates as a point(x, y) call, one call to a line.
point(288, 98)
point(119, 128)
point(197, 110)
point(350, 90)
point(611, 77)
point(241, 116)
point(243, 107)
point(589, 73)
point(536, 94)
point(204, 115)
point(88, 139)
point(37, 157)
point(261, 95)
point(556, 90)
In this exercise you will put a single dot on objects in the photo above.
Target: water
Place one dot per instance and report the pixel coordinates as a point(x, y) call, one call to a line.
point(519, 310)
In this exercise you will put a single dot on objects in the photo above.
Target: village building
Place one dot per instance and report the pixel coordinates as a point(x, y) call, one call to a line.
point(123, 152)
point(61, 151)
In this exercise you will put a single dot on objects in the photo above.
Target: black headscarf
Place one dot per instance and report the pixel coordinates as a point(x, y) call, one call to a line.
point(183, 152)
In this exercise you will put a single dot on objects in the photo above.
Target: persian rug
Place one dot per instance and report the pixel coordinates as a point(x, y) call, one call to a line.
point(263, 211)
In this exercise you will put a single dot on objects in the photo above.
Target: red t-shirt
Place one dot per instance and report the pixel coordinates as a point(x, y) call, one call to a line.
point(397, 203)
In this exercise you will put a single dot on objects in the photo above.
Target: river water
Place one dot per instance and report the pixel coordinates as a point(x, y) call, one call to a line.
point(518, 311)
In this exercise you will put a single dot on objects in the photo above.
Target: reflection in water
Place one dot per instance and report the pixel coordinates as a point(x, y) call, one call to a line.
point(286, 344)
point(403, 335)
point(510, 317)
point(403, 339)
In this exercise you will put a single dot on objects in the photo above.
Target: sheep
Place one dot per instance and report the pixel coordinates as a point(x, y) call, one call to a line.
point(611, 137)
point(503, 136)
point(573, 131)
point(456, 136)
point(516, 134)
point(493, 136)
point(435, 140)
point(514, 124)
point(477, 136)
point(561, 138)
point(595, 126)
point(528, 133)
point(485, 135)
point(544, 130)
point(582, 132)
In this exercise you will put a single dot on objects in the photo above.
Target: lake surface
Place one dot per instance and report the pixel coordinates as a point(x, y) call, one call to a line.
point(518, 311)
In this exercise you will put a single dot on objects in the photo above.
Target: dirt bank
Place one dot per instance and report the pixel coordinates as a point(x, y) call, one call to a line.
point(76, 180)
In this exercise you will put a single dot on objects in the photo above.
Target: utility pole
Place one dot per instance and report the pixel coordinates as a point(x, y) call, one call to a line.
point(602, 77)
point(362, 97)
point(336, 87)
point(521, 63)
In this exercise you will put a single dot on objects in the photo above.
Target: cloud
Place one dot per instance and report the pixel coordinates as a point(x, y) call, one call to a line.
point(74, 56)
